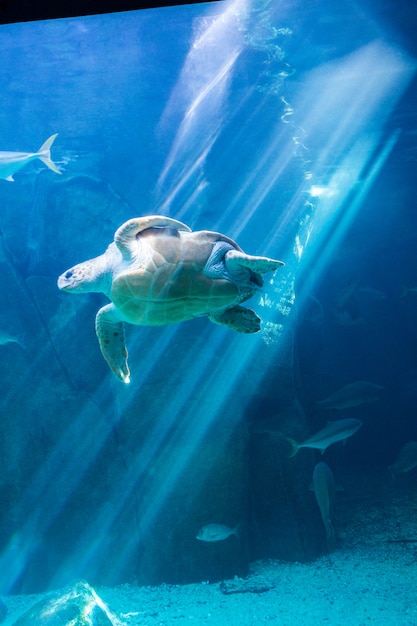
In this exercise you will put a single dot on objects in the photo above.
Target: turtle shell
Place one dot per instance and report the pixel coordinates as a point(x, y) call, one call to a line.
point(164, 282)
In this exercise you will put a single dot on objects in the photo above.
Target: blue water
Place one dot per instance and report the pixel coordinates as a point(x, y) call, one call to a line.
point(290, 129)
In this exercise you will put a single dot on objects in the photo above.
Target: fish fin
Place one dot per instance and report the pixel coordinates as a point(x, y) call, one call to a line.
point(294, 446)
point(21, 340)
point(48, 143)
point(237, 531)
point(330, 536)
point(10, 178)
point(44, 153)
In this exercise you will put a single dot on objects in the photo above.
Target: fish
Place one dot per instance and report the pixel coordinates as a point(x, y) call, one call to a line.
point(347, 316)
point(406, 459)
point(324, 490)
point(339, 430)
point(354, 394)
point(6, 337)
point(407, 290)
point(354, 304)
point(346, 293)
point(12, 162)
point(216, 532)
point(369, 295)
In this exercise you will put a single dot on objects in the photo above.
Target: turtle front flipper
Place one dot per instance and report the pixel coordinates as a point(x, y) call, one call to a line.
point(238, 318)
point(127, 232)
point(111, 336)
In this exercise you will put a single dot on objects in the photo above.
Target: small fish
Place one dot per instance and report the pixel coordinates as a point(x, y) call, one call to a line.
point(407, 290)
point(354, 394)
point(12, 162)
point(406, 459)
point(339, 430)
point(347, 316)
point(324, 490)
point(6, 337)
point(369, 295)
point(216, 532)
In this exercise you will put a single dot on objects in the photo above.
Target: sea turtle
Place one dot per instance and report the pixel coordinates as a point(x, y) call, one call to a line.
point(157, 272)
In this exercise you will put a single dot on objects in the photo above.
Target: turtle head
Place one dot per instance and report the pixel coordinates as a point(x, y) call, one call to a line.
point(87, 277)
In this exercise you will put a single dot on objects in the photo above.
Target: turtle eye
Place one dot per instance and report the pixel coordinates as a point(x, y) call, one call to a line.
point(68, 274)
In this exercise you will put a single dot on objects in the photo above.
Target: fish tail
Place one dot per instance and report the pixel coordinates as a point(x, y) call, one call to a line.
point(294, 446)
point(44, 154)
point(238, 530)
point(330, 536)
point(21, 340)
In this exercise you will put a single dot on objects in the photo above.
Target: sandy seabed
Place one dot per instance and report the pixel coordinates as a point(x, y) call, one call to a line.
point(371, 578)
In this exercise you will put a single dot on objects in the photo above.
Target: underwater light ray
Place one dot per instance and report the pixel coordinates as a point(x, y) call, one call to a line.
point(188, 128)
point(157, 443)
point(194, 425)
point(207, 89)
point(346, 104)
point(262, 178)
point(200, 93)
point(190, 202)
point(349, 98)
point(355, 196)
point(66, 465)
point(154, 343)
point(324, 97)
point(184, 177)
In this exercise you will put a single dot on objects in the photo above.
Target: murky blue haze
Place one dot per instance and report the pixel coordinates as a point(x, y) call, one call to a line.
point(290, 129)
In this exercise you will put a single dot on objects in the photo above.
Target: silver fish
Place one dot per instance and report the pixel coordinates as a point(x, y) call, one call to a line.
point(324, 490)
point(12, 162)
point(406, 459)
point(216, 532)
point(354, 394)
point(340, 430)
point(6, 337)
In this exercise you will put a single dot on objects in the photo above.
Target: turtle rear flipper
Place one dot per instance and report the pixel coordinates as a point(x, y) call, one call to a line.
point(235, 259)
point(111, 336)
point(237, 266)
point(238, 318)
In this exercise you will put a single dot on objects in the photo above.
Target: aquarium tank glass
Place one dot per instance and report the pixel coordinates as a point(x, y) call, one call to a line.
point(209, 283)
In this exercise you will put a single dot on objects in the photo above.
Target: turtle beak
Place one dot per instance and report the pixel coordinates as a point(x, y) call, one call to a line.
point(64, 281)
point(67, 282)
